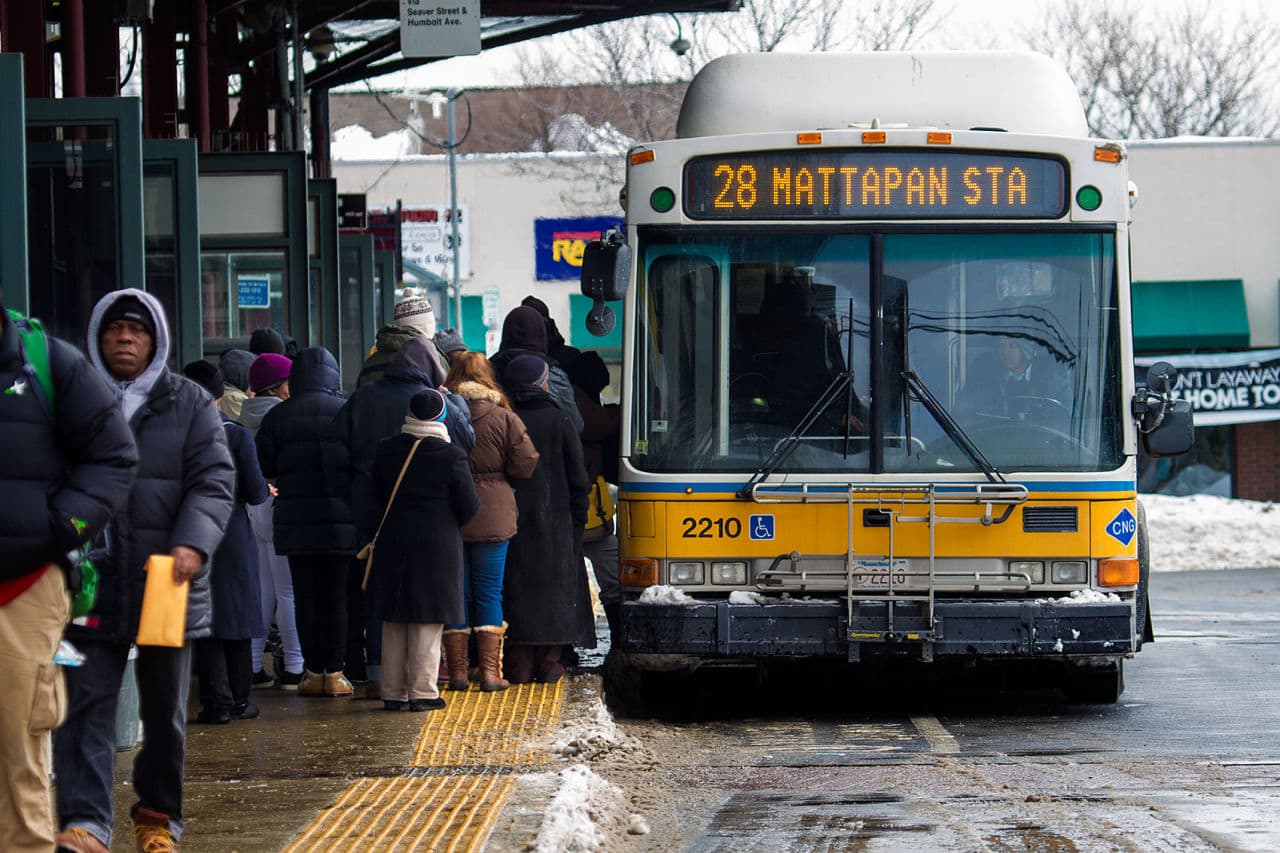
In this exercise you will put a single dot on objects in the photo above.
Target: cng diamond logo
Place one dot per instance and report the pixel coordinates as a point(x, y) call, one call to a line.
point(760, 526)
point(1123, 527)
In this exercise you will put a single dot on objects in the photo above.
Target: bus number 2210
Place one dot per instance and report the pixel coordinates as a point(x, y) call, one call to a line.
point(701, 528)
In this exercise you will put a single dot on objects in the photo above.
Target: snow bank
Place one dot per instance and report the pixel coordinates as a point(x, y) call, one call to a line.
point(742, 596)
point(581, 814)
point(1081, 596)
point(591, 736)
point(1206, 532)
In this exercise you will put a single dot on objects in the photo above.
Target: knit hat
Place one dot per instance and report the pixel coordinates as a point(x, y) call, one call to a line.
point(267, 371)
point(129, 308)
point(428, 405)
point(234, 364)
point(206, 376)
point(526, 370)
point(415, 311)
point(266, 341)
point(524, 328)
point(537, 305)
point(555, 340)
point(449, 341)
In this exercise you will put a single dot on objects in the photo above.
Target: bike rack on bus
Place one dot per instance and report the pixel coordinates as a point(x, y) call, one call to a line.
point(891, 500)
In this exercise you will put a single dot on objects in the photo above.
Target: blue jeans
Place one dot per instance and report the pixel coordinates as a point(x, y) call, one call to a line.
point(84, 748)
point(482, 583)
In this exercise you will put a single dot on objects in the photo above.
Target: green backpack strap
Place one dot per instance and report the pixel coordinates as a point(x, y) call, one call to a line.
point(35, 350)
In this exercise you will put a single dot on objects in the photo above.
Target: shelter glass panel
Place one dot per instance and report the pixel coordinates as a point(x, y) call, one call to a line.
point(240, 293)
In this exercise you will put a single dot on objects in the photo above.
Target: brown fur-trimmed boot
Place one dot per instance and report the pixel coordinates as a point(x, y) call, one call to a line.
point(455, 654)
point(489, 639)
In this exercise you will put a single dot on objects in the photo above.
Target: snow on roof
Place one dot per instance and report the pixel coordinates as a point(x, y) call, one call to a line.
point(354, 142)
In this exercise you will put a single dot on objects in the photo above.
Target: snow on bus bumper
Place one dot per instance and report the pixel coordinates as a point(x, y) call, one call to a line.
point(972, 628)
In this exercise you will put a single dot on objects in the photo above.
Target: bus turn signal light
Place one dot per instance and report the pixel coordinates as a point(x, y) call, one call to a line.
point(1118, 571)
point(643, 156)
point(808, 138)
point(1109, 154)
point(873, 136)
point(638, 573)
point(939, 138)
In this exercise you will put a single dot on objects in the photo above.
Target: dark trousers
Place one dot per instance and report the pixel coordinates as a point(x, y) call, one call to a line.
point(364, 629)
point(320, 602)
point(224, 672)
point(84, 748)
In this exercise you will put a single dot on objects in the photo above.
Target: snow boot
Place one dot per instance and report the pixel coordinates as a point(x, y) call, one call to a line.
point(455, 656)
point(489, 640)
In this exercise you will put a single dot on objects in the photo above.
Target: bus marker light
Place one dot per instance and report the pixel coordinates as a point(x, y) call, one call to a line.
point(939, 138)
point(638, 572)
point(645, 156)
point(662, 199)
point(872, 136)
point(808, 139)
point(1033, 569)
point(1118, 571)
point(729, 573)
point(1107, 155)
point(1090, 198)
point(685, 574)
point(1074, 571)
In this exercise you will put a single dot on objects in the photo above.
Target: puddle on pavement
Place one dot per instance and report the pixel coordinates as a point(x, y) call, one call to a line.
point(1018, 837)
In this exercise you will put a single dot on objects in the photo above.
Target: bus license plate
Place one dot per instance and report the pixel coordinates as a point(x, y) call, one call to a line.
point(874, 574)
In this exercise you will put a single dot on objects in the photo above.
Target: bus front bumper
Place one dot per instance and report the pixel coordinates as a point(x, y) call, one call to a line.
point(961, 628)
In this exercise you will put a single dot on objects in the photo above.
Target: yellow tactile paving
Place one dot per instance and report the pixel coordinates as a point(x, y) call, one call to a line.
point(460, 777)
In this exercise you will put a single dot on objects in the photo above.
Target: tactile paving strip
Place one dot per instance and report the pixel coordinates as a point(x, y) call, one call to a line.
point(461, 776)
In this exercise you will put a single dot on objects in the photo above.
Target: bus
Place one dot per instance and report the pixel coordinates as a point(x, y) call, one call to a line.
point(879, 404)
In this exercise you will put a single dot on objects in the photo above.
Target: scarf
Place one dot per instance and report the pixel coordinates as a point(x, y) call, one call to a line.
point(425, 429)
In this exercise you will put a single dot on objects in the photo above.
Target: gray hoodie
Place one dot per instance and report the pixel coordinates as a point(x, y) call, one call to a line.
point(130, 394)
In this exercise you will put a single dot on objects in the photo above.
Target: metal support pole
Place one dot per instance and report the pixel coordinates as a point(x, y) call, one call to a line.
point(453, 211)
point(299, 93)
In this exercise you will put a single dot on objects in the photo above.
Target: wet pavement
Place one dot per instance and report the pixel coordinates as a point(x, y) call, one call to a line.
point(1187, 760)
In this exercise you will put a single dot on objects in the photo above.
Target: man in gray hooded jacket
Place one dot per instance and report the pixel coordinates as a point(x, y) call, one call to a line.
point(179, 505)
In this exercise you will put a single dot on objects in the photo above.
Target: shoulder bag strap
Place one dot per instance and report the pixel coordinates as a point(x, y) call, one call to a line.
point(394, 490)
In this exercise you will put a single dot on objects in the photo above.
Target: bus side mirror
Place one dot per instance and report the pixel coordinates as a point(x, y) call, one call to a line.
point(606, 273)
point(1165, 425)
point(606, 268)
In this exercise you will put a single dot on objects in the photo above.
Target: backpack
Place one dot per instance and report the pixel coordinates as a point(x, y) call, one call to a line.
point(35, 353)
point(82, 575)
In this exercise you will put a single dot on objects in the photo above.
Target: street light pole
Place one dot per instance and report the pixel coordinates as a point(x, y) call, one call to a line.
point(453, 95)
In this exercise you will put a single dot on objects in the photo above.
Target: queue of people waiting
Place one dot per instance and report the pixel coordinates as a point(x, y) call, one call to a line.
point(427, 532)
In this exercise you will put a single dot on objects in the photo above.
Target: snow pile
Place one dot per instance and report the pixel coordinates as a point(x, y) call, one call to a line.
point(1206, 532)
point(583, 814)
point(591, 737)
point(742, 596)
point(1081, 596)
point(355, 142)
point(663, 594)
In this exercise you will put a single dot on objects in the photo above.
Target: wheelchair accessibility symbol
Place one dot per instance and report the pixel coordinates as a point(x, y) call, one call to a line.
point(760, 526)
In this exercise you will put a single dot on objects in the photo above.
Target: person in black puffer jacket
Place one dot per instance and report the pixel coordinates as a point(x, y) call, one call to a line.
point(524, 331)
point(178, 506)
point(312, 524)
point(62, 477)
point(374, 412)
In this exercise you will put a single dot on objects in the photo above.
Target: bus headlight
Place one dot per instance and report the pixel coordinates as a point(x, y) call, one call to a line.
point(1074, 571)
point(731, 574)
point(1033, 569)
point(685, 574)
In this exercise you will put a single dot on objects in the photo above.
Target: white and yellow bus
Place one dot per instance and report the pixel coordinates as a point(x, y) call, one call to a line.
point(879, 401)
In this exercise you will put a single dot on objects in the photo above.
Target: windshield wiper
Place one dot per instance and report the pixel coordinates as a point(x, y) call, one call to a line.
point(949, 425)
point(785, 447)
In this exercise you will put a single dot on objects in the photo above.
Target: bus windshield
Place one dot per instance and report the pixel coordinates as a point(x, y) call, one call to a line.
point(742, 334)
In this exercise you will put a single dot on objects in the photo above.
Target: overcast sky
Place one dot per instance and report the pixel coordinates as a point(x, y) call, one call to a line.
point(972, 23)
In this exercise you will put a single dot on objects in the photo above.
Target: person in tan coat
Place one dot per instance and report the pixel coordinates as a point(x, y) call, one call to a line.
point(502, 452)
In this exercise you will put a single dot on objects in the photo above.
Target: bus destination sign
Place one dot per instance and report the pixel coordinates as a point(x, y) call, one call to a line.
point(874, 184)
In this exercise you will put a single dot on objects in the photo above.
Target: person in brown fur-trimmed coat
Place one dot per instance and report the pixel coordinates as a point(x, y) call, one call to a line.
point(503, 452)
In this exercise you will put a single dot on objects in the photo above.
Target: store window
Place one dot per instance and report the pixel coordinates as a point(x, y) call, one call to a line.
point(1206, 470)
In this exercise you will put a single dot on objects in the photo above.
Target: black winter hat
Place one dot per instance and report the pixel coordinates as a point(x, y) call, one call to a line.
point(263, 341)
point(428, 405)
point(538, 305)
point(589, 372)
point(129, 308)
point(524, 328)
point(526, 370)
point(206, 376)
